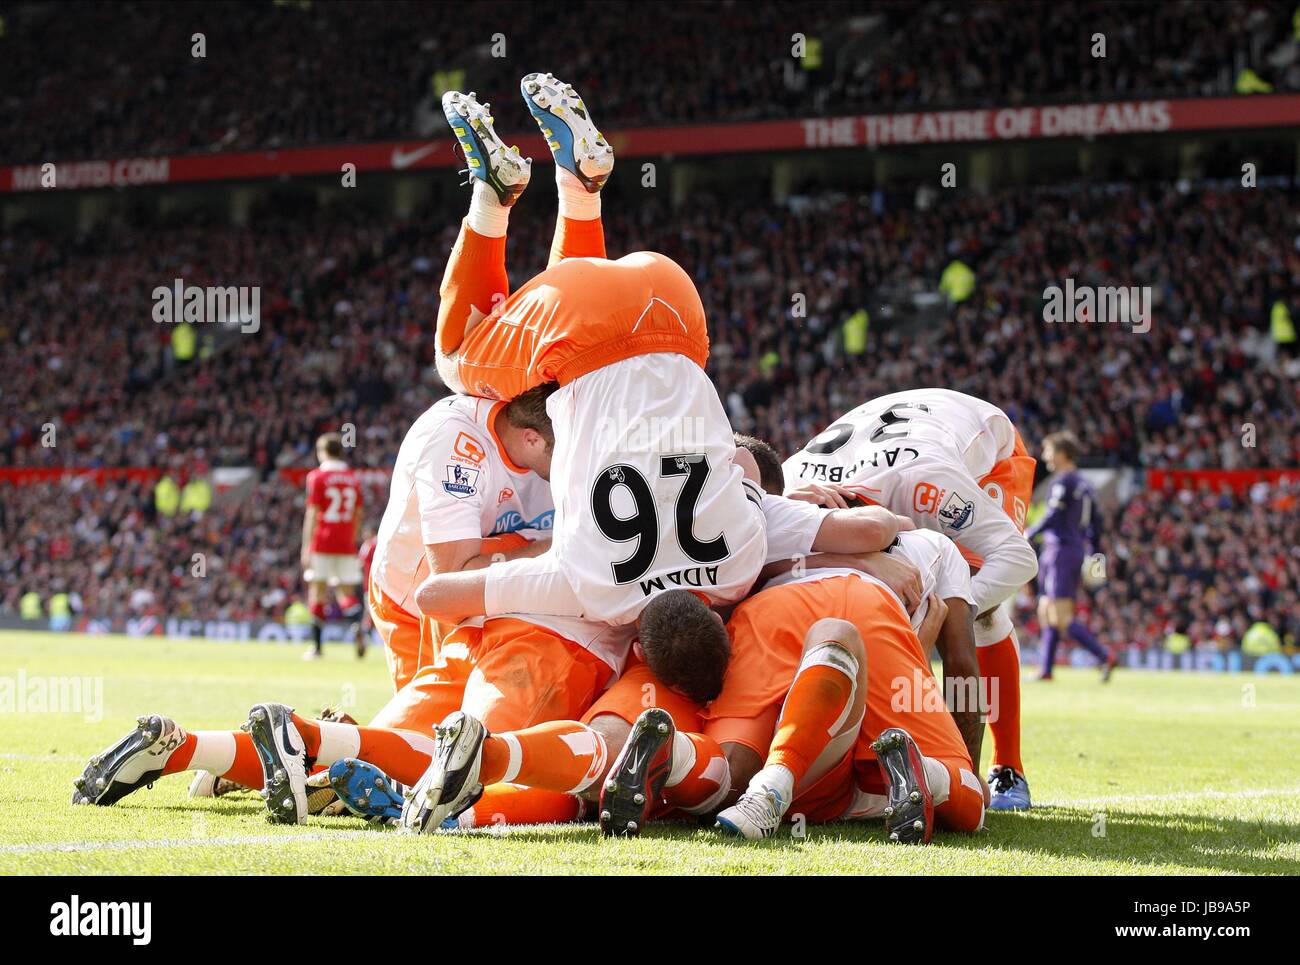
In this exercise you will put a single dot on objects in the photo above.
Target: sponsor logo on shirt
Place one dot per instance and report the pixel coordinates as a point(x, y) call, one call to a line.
point(468, 449)
point(512, 521)
point(925, 499)
point(462, 482)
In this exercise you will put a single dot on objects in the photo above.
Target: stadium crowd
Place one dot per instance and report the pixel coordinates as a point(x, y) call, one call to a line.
point(1218, 259)
point(1202, 563)
point(99, 80)
point(117, 555)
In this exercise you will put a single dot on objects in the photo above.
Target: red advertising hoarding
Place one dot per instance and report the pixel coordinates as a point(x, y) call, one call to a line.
point(861, 131)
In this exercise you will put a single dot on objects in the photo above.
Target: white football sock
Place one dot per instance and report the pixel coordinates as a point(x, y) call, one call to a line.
point(337, 741)
point(487, 215)
point(214, 750)
point(683, 759)
point(774, 777)
point(937, 779)
point(576, 203)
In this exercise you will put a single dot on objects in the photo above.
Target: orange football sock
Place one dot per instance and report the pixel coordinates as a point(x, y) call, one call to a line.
point(403, 755)
point(503, 804)
point(577, 239)
point(559, 755)
point(964, 808)
point(1000, 678)
point(700, 777)
point(228, 754)
point(813, 712)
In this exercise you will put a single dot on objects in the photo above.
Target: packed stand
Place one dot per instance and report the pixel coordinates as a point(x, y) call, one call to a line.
point(349, 302)
point(102, 80)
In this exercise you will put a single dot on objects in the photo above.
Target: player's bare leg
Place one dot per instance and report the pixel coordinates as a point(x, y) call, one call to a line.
point(316, 591)
point(819, 725)
point(351, 608)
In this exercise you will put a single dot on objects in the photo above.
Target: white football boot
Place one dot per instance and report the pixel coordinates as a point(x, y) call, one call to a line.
point(756, 815)
point(487, 157)
point(569, 130)
point(135, 761)
point(283, 753)
point(450, 785)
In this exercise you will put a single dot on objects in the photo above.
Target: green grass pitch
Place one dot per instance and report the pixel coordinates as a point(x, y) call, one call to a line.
point(1154, 774)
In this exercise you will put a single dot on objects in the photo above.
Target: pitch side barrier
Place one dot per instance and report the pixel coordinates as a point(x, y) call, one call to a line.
point(273, 631)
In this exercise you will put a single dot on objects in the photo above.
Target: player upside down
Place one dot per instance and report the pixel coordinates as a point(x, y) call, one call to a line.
point(324, 741)
point(626, 341)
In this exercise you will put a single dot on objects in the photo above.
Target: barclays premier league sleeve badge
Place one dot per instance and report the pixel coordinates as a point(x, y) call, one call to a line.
point(461, 482)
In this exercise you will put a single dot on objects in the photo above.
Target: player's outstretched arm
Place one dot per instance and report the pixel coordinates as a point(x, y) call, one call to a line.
point(961, 673)
point(866, 529)
point(1008, 565)
point(453, 597)
point(475, 554)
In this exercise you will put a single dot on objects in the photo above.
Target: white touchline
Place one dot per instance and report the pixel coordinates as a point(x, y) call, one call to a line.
point(131, 844)
point(40, 757)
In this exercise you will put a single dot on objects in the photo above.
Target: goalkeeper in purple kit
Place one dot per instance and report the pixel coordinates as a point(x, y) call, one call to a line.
point(1070, 534)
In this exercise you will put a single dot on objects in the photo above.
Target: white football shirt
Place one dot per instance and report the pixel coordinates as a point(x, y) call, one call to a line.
point(453, 481)
point(647, 498)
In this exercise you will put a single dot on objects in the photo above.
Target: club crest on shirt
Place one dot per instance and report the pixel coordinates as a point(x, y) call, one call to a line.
point(461, 482)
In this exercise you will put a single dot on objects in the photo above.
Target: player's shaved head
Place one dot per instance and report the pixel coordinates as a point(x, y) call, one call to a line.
point(770, 475)
point(685, 644)
point(528, 411)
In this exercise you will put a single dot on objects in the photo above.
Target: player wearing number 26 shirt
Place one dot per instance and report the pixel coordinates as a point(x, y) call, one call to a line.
point(648, 497)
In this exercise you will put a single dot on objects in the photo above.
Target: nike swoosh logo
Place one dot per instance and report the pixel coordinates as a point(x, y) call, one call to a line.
point(634, 765)
point(404, 159)
point(284, 736)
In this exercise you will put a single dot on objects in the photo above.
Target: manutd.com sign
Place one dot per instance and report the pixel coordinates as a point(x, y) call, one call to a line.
point(865, 131)
point(91, 174)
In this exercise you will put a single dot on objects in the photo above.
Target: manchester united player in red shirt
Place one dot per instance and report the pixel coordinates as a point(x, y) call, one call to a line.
point(329, 535)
